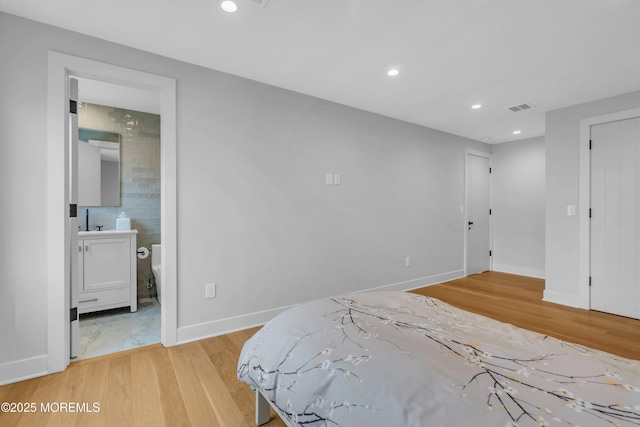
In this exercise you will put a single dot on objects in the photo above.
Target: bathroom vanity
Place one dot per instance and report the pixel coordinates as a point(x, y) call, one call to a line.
point(107, 270)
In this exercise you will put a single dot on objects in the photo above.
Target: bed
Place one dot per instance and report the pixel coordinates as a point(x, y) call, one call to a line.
point(399, 359)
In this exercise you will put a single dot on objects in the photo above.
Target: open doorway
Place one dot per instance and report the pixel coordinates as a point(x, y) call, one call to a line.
point(61, 68)
point(119, 146)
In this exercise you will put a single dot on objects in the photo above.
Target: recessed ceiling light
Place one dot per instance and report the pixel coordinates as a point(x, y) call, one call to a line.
point(476, 106)
point(229, 6)
point(516, 132)
point(393, 72)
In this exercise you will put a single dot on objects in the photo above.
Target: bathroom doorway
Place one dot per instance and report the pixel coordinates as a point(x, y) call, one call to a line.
point(62, 67)
point(119, 135)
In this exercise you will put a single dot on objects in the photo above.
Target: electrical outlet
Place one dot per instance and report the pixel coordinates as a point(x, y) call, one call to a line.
point(210, 290)
point(407, 261)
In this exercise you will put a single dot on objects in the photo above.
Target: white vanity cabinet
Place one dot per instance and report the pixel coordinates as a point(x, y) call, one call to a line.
point(107, 270)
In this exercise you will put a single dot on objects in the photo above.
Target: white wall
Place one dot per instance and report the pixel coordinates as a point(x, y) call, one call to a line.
point(254, 213)
point(563, 159)
point(23, 291)
point(518, 201)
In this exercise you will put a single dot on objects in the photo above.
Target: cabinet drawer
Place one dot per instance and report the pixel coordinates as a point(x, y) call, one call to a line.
point(103, 300)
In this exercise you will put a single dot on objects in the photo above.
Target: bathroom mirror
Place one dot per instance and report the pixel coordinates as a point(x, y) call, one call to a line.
point(98, 168)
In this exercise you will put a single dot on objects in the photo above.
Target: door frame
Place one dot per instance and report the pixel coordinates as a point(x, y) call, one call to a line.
point(584, 199)
point(469, 152)
point(60, 67)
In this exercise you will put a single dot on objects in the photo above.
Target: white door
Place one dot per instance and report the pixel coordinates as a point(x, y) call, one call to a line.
point(74, 335)
point(478, 214)
point(615, 217)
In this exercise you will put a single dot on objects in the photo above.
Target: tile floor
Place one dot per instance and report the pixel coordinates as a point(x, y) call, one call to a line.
point(110, 331)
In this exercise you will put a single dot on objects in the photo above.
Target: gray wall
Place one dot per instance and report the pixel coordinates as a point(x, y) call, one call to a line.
point(254, 213)
point(139, 175)
point(563, 177)
point(518, 193)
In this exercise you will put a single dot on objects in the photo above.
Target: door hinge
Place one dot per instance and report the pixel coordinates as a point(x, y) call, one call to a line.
point(589, 281)
point(73, 106)
point(73, 210)
point(73, 315)
point(589, 212)
point(489, 211)
point(489, 170)
point(589, 144)
point(489, 252)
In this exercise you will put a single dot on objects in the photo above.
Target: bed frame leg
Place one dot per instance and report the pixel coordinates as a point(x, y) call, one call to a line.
point(262, 409)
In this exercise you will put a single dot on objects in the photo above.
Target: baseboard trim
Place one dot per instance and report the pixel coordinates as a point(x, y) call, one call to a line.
point(201, 331)
point(24, 369)
point(215, 328)
point(409, 285)
point(562, 299)
point(520, 271)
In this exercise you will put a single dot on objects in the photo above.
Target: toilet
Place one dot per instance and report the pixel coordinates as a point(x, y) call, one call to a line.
point(156, 267)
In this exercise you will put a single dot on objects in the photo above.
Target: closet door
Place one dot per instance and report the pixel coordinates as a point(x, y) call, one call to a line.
point(615, 217)
point(479, 220)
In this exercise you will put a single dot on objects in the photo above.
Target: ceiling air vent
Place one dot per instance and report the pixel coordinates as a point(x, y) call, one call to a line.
point(261, 3)
point(520, 107)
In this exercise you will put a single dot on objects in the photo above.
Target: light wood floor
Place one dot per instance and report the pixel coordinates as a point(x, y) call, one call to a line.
point(518, 300)
point(195, 384)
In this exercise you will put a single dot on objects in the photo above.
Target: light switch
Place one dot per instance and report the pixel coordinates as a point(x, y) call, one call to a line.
point(329, 179)
point(571, 210)
point(336, 179)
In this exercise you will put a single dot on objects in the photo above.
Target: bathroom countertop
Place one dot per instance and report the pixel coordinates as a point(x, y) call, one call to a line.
point(105, 233)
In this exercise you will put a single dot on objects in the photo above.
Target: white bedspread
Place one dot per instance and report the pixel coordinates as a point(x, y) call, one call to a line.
point(397, 359)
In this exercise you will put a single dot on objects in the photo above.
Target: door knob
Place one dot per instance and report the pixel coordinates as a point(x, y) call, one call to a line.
point(470, 224)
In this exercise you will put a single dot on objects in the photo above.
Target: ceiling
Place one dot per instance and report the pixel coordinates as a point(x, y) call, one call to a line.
point(450, 53)
point(103, 93)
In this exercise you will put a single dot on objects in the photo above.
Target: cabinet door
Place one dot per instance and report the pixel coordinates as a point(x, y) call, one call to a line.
point(107, 263)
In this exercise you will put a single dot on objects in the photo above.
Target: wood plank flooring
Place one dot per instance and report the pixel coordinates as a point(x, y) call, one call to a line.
point(195, 384)
point(518, 300)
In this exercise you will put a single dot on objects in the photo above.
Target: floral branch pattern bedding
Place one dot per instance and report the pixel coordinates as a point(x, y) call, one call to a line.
point(397, 359)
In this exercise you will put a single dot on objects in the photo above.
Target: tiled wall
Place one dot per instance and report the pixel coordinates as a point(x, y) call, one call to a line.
point(139, 174)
